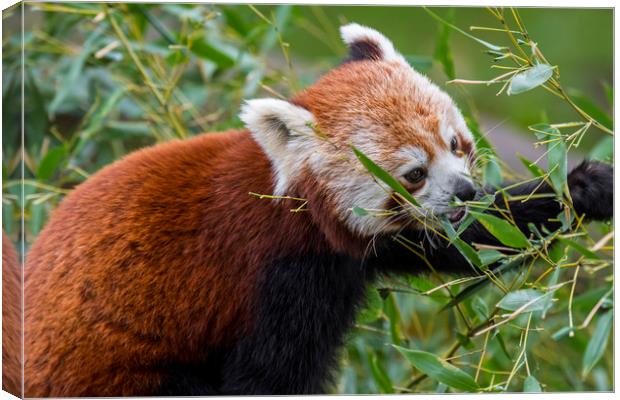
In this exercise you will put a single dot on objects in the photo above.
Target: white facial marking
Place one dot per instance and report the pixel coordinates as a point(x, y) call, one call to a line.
point(443, 173)
point(415, 157)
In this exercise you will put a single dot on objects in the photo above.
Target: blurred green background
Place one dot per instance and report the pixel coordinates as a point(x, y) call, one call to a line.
point(103, 80)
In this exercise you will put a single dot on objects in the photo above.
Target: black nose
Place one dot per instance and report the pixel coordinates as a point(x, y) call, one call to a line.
point(464, 190)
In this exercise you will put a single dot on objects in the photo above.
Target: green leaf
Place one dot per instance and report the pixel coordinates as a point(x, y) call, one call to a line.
point(75, 70)
point(465, 249)
point(382, 379)
point(422, 284)
point(587, 300)
point(591, 108)
point(603, 150)
point(506, 233)
point(35, 108)
point(373, 308)
point(442, 49)
point(439, 370)
point(502, 343)
point(557, 156)
point(515, 300)
point(563, 332)
point(598, 342)
point(279, 21)
point(529, 79)
point(441, 388)
point(393, 313)
point(534, 169)
point(553, 280)
point(207, 51)
point(96, 121)
point(50, 163)
point(384, 176)
point(476, 287)
point(489, 256)
point(234, 20)
point(581, 249)
point(492, 173)
point(361, 212)
point(531, 385)
point(480, 308)
point(37, 217)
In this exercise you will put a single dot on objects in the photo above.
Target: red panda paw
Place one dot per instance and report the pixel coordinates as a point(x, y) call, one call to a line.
point(591, 186)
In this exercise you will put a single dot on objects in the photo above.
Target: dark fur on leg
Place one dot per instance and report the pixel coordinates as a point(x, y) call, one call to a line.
point(305, 308)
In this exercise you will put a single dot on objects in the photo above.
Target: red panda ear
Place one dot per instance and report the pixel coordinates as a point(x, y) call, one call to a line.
point(284, 131)
point(368, 44)
point(276, 121)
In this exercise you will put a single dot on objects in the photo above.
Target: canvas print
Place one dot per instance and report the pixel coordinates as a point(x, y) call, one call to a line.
point(236, 199)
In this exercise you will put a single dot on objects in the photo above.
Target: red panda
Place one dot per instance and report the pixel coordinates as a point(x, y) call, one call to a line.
point(161, 275)
point(11, 318)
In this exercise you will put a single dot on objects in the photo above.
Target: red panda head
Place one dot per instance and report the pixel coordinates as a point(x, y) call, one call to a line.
point(376, 102)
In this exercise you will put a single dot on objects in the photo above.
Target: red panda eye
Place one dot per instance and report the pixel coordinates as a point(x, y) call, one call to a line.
point(454, 144)
point(416, 175)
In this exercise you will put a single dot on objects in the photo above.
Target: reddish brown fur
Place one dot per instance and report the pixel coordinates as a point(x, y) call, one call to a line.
point(11, 319)
point(465, 145)
point(154, 259)
point(329, 100)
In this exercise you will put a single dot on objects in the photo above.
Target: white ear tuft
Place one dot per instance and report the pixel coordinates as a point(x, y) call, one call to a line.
point(278, 119)
point(368, 44)
point(284, 131)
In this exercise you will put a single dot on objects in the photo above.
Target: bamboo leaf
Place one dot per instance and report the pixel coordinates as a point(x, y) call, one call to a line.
point(534, 169)
point(506, 233)
point(382, 379)
point(553, 280)
point(557, 160)
point(393, 313)
point(439, 370)
point(488, 256)
point(531, 385)
point(535, 300)
point(598, 342)
point(75, 70)
point(373, 308)
point(529, 79)
point(208, 51)
point(476, 287)
point(492, 173)
point(591, 108)
point(384, 176)
point(581, 249)
point(465, 249)
point(442, 49)
point(361, 212)
point(50, 163)
point(603, 150)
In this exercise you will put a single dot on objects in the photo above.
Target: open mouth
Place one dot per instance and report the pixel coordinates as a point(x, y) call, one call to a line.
point(457, 215)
